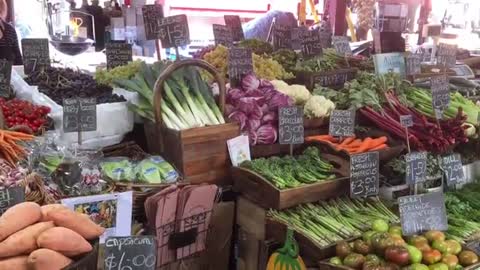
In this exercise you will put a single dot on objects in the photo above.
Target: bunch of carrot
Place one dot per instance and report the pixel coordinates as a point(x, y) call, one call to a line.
point(352, 145)
point(10, 149)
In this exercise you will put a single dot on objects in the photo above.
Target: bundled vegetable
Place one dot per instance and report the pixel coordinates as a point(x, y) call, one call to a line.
point(153, 170)
point(10, 145)
point(352, 145)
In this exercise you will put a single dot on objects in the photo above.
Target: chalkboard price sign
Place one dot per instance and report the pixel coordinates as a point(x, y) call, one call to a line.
point(311, 45)
point(447, 55)
point(406, 121)
point(152, 14)
point(420, 213)
point(342, 45)
point(5, 77)
point(440, 92)
point(364, 175)
point(297, 37)
point(131, 252)
point(416, 169)
point(36, 54)
point(413, 62)
point(174, 31)
point(10, 197)
point(325, 38)
point(290, 125)
point(233, 22)
point(452, 165)
point(118, 54)
point(282, 37)
point(342, 123)
point(79, 114)
point(222, 35)
point(333, 78)
point(239, 63)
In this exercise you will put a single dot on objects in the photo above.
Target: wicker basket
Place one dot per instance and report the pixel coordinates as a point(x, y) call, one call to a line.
point(35, 190)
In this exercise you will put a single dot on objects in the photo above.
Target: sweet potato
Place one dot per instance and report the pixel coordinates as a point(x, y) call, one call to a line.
point(17, 263)
point(23, 241)
point(77, 222)
point(51, 207)
point(19, 217)
point(47, 259)
point(64, 240)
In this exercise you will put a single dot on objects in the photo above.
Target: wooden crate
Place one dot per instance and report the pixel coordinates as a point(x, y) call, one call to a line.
point(332, 79)
point(324, 265)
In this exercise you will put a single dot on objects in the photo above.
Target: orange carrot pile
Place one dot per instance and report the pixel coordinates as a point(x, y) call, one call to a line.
point(10, 150)
point(352, 145)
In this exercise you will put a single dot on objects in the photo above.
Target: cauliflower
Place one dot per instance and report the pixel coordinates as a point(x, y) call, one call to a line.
point(318, 107)
point(298, 93)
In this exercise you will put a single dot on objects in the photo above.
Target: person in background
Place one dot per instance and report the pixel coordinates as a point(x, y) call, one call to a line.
point(9, 47)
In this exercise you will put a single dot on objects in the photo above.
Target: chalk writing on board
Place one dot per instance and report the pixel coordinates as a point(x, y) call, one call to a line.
point(290, 127)
point(130, 253)
point(364, 175)
point(174, 31)
point(342, 123)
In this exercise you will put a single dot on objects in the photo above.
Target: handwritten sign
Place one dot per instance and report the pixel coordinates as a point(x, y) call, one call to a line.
point(5, 77)
point(453, 167)
point(290, 125)
point(413, 64)
point(36, 54)
point(131, 252)
point(420, 213)
point(282, 37)
point(325, 37)
point(233, 22)
point(79, 114)
point(406, 121)
point(10, 197)
point(440, 92)
point(118, 54)
point(342, 45)
point(333, 78)
point(152, 14)
point(389, 63)
point(222, 35)
point(416, 167)
point(342, 123)
point(447, 55)
point(311, 45)
point(364, 175)
point(239, 63)
point(297, 37)
point(174, 31)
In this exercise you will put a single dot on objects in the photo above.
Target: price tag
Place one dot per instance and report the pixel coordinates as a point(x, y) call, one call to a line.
point(334, 78)
point(413, 64)
point(5, 77)
point(342, 45)
point(282, 37)
point(290, 125)
point(420, 213)
point(239, 149)
point(297, 36)
point(10, 197)
point(342, 123)
point(389, 62)
point(447, 55)
point(233, 22)
point(239, 63)
point(131, 252)
point(364, 175)
point(311, 45)
point(222, 35)
point(118, 54)
point(406, 121)
point(174, 31)
point(325, 38)
point(79, 114)
point(416, 167)
point(440, 92)
point(36, 54)
point(152, 14)
point(453, 167)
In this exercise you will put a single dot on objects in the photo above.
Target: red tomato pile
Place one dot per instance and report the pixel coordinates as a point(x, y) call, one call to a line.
point(20, 112)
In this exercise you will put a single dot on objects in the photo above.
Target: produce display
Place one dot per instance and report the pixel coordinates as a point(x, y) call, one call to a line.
point(105, 76)
point(11, 148)
point(352, 145)
point(17, 113)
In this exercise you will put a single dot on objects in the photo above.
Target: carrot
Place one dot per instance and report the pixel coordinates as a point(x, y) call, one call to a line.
point(19, 134)
point(24, 241)
point(365, 145)
point(377, 142)
point(379, 147)
point(347, 141)
point(321, 138)
point(354, 143)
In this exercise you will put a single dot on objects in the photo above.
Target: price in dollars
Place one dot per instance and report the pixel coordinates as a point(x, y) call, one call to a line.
point(130, 253)
point(342, 123)
point(364, 175)
point(290, 125)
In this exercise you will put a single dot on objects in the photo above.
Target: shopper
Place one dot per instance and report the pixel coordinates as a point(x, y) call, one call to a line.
point(9, 48)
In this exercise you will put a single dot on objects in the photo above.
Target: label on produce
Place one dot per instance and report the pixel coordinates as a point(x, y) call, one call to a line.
point(290, 125)
point(389, 63)
point(239, 149)
point(421, 213)
point(131, 252)
point(222, 35)
point(334, 78)
point(311, 45)
point(10, 197)
point(239, 63)
point(440, 92)
point(364, 175)
point(453, 168)
point(297, 36)
point(342, 45)
point(413, 64)
point(118, 54)
point(342, 123)
point(174, 31)
point(36, 54)
point(5, 77)
point(406, 121)
point(416, 167)
point(233, 22)
point(447, 55)
point(152, 14)
point(281, 37)
point(79, 114)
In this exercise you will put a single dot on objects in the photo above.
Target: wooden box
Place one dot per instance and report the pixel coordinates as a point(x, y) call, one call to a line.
point(332, 79)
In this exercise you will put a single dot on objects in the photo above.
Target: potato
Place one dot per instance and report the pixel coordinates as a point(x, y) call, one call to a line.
point(77, 222)
point(14, 263)
point(64, 240)
point(19, 217)
point(51, 207)
point(47, 259)
point(23, 241)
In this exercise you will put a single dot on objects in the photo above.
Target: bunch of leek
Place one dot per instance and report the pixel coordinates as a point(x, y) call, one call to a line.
point(187, 101)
